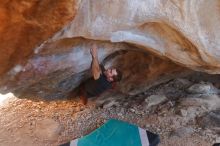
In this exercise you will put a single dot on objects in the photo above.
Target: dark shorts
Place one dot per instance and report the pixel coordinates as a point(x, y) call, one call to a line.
point(84, 93)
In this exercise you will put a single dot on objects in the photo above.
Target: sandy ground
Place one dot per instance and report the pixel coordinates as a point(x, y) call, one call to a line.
point(25, 122)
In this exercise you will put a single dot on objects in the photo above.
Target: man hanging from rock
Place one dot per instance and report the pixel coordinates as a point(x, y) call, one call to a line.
point(101, 81)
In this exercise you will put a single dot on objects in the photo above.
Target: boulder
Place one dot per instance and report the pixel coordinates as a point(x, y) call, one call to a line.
point(45, 44)
point(27, 24)
point(182, 31)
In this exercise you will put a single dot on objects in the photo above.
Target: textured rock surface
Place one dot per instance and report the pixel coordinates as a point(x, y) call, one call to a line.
point(26, 24)
point(183, 31)
point(43, 52)
point(60, 67)
point(211, 120)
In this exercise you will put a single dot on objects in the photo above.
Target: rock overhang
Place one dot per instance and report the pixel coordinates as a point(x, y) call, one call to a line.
point(179, 31)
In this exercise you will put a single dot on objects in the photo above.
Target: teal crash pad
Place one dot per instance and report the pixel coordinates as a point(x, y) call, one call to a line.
point(117, 133)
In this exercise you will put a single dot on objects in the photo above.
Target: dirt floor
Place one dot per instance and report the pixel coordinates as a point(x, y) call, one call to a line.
point(167, 110)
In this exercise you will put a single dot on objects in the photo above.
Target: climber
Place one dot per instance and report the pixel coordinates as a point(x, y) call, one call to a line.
point(102, 79)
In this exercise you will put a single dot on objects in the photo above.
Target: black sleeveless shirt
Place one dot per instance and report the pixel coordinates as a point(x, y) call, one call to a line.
point(96, 87)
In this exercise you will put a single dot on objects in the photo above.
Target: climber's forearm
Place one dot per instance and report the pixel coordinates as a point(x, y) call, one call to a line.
point(96, 71)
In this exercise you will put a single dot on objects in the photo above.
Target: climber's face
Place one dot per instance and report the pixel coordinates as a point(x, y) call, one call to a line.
point(110, 73)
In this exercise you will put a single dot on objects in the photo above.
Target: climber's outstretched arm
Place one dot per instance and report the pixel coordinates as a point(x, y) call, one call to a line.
point(96, 70)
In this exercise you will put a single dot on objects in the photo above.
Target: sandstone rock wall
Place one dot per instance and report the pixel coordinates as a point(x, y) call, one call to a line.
point(185, 31)
point(45, 44)
point(26, 24)
point(60, 67)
